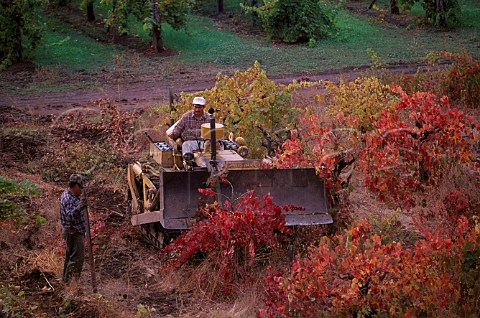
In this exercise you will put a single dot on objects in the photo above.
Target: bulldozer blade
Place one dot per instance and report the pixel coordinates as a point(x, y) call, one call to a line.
point(179, 196)
point(297, 187)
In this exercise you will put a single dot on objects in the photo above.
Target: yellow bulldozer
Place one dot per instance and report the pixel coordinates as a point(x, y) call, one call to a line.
point(163, 193)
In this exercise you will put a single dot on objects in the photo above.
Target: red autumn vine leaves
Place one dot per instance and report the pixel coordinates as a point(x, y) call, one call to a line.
point(408, 145)
point(356, 275)
point(231, 237)
point(414, 143)
point(463, 79)
point(409, 148)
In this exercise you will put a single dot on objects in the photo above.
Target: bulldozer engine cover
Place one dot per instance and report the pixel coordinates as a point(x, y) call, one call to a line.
point(179, 195)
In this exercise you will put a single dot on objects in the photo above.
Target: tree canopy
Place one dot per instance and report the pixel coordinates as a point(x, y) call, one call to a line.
point(152, 13)
point(20, 29)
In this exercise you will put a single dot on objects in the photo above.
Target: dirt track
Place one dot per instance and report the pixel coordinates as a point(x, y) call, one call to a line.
point(138, 95)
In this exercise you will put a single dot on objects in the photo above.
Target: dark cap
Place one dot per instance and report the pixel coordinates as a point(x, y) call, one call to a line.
point(76, 179)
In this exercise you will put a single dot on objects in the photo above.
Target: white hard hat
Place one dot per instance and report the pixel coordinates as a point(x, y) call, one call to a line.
point(199, 101)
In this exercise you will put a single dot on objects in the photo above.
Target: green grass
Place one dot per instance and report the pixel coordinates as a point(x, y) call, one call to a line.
point(62, 46)
point(24, 188)
point(205, 43)
point(11, 211)
point(22, 131)
point(471, 15)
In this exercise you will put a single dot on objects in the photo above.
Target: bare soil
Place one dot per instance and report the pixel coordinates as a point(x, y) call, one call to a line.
point(127, 269)
point(137, 94)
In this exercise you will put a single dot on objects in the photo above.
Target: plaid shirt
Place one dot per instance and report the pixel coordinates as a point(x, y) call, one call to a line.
point(70, 213)
point(188, 127)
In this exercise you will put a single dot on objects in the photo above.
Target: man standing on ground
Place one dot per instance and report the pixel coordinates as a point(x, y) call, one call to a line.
point(188, 127)
point(72, 219)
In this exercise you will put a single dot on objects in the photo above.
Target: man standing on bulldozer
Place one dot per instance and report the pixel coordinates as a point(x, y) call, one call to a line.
point(73, 224)
point(188, 127)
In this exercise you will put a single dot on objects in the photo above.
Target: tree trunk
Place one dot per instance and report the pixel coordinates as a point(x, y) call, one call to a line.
point(254, 14)
point(440, 8)
point(90, 12)
point(157, 40)
point(18, 50)
point(394, 9)
point(114, 5)
point(219, 6)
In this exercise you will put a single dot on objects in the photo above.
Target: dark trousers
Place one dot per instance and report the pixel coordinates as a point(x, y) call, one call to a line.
point(74, 253)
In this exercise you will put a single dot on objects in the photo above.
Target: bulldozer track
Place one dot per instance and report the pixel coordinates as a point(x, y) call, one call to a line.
point(152, 235)
point(155, 235)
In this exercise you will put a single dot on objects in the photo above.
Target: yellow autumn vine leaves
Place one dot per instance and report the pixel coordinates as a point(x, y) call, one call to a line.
point(363, 99)
point(246, 100)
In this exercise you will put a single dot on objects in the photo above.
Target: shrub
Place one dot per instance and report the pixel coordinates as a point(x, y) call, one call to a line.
point(448, 16)
point(444, 13)
point(422, 81)
point(361, 99)
point(414, 144)
point(12, 199)
point(462, 82)
point(232, 238)
point(333, 146)
point(356, 275)
point(98, 162)
point(458, 202)
point(297, 20)
point(410, 147)
point(20, 29)
point(99, 120)
point(244, 101)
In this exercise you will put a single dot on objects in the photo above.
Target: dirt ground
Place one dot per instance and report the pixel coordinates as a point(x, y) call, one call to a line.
point(140, 93)
point(127, 269)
